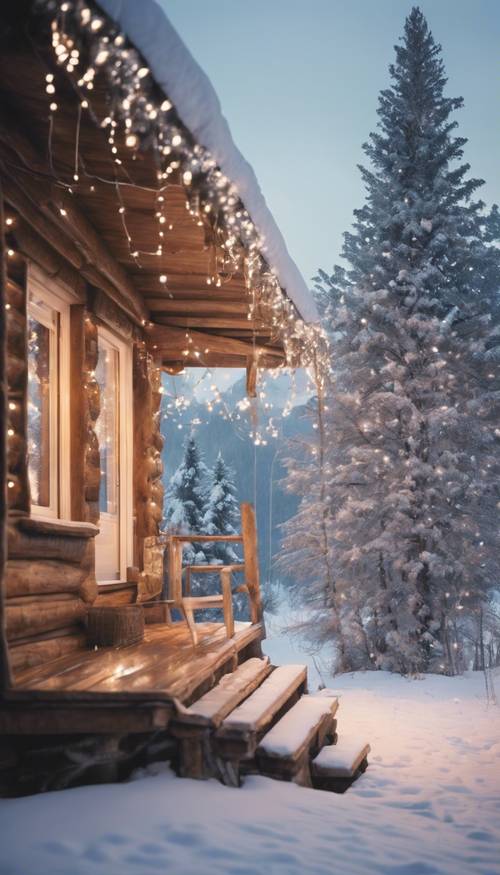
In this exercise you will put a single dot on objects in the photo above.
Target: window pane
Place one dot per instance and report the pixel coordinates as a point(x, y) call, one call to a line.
point(107, 427)
point(40, 403)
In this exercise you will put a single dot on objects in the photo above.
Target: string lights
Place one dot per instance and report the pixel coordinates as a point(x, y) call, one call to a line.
point(87, 44)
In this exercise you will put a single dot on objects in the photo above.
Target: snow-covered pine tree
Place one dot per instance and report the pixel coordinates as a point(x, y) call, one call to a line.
point(221, 512)
point(307, 554)
point(185, 499)
point(413, 432)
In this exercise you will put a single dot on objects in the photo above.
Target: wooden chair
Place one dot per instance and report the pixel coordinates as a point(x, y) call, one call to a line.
point(187, 604)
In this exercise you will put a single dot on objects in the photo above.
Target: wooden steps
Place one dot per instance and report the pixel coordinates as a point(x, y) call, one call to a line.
point(258, 719)
point(193, 726)
point(337, 766)
point(211, 709)
point(286, 750)
point(241, 731)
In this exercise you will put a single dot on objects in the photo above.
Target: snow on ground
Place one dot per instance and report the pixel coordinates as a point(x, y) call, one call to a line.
point(429, 803)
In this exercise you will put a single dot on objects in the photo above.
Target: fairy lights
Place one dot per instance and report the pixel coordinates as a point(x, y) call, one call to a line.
point(87, 44)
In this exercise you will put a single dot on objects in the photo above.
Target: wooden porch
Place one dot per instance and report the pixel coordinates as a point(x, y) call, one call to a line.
point(164, 662)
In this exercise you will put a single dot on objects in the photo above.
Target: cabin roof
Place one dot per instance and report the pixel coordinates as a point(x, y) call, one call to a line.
point(214, 286)
point(186, 84)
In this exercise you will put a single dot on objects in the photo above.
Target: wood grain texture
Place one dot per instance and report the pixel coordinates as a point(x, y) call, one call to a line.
point(111, 626)
point(29, 654)
point(43, 615)
point(165, 661)
point(147, 466)
point(251, 554)
point(5, 673)
point(60, 209)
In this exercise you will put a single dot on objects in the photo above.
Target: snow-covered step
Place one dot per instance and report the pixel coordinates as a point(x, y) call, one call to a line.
point(285, 751)
point(232, 689)
point(338, 765)
point(238, 736)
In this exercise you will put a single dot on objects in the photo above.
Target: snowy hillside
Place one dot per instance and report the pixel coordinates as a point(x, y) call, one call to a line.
point(429, 803)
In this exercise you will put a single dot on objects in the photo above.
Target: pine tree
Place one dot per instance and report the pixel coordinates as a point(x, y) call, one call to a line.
point(412, 430)
point(221, 512)
point(185, 499)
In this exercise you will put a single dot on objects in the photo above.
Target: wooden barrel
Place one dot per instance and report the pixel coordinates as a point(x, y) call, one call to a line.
point(115, 626)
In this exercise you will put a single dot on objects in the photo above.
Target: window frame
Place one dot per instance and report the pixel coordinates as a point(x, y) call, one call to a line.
point(58, 298)
point(125, 452)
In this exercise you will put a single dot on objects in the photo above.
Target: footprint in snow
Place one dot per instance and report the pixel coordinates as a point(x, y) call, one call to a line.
point(59, 848)
point(152, 848)
point(416, 868)
point(480, 835)
point(422, 806)
point(115, 838)
point(96, 854)
point(146, 861)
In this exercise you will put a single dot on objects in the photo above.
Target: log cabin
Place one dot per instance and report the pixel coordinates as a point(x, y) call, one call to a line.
point(134, 239)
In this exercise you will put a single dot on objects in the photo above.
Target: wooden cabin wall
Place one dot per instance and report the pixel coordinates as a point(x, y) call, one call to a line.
point(49, 577)
point(50, 573)
point(84, 411)
point(148, 444)
point(148, 470)
point(49, 585)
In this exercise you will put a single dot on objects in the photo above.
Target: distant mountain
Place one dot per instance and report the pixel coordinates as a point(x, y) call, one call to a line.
point(258, 469)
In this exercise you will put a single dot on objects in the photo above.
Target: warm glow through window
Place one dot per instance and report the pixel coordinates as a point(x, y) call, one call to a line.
point(43, 443)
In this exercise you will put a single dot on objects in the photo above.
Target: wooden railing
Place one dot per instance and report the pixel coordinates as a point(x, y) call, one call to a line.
point(249, 566)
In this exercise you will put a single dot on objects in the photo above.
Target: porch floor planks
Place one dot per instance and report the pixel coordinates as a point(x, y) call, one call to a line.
point(165, 660)
point(169, 670)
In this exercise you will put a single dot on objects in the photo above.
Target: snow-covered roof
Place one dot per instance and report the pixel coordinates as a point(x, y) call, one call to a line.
point(188, 87)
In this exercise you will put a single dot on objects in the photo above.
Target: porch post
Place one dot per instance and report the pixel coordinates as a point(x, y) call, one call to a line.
point(251, 557)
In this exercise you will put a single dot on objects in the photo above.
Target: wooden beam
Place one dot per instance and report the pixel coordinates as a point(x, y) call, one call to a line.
point(219, 322)
point(35, 248)
point(197, 307)
point(52, 199)
point(55, 235)
point(251, 556)
point(215, 360)
point(153, 291)
point(189, 283)
point(252, 377)
point(170, 340)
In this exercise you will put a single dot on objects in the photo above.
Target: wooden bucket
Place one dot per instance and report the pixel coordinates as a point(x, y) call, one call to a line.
point(115, 626)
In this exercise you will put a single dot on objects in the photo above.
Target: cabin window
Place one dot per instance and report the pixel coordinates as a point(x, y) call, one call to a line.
point(114, 433)
point(107, 426)
point(48, 400)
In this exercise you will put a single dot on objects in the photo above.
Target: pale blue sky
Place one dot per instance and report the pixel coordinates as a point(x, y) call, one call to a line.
point(298, 82)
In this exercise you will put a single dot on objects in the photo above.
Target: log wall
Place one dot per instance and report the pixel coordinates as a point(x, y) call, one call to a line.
point(148, 444)
point(84, 411)
point(50, 573)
